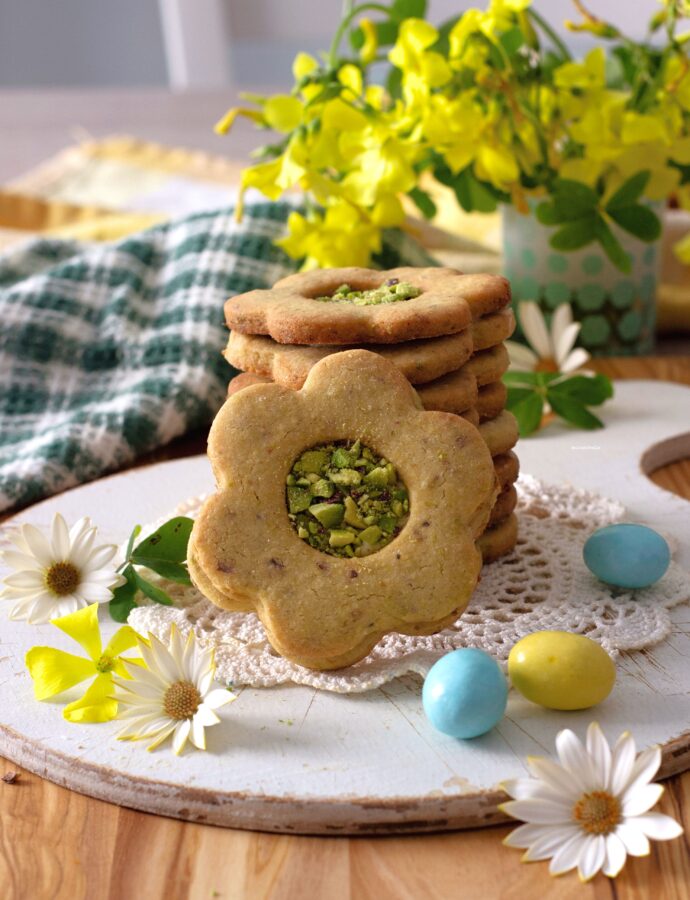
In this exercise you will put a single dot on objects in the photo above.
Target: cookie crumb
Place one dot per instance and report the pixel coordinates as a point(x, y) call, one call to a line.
point(10, 777)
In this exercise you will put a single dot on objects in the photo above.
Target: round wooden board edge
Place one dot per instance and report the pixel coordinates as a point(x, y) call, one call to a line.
point(283, 815)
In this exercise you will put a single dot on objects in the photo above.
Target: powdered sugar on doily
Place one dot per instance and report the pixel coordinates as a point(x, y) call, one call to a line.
point(543, 584)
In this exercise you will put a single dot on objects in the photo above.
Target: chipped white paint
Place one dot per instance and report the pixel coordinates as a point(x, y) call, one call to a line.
point(291, 759)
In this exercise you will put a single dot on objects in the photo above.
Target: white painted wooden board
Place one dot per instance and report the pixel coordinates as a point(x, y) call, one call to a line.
point(295, 760)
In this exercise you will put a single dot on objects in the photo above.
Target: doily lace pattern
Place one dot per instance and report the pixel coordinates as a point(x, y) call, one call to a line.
point(542, 584)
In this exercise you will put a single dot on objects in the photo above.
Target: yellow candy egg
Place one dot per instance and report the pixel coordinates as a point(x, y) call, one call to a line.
point(561, 670)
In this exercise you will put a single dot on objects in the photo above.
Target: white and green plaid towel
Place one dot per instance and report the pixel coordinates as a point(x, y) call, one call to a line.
point(109, 351)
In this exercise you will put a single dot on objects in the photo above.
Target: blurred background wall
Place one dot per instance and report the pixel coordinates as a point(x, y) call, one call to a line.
point(81, 43)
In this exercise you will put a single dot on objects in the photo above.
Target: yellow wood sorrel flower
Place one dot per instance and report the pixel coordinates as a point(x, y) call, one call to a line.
point(54, 671)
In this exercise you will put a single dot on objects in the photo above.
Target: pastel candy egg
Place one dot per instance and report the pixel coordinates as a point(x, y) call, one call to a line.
point(465, 693)
point(561, 670)
point(627, 555)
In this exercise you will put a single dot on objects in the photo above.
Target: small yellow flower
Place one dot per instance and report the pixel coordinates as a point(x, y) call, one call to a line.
point(283, 113)
point(368, 49)
point(54, 671)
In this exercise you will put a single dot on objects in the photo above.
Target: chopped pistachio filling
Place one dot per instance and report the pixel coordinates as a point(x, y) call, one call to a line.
point(345, 500)
point(389, 292)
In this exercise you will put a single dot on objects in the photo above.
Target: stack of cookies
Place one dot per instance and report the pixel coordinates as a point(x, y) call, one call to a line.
point(442, 329)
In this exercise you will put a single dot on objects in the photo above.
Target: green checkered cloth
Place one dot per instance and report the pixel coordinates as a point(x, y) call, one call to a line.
point(109, 351)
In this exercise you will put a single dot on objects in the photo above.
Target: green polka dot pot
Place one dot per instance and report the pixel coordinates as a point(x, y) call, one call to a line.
point(617, 309)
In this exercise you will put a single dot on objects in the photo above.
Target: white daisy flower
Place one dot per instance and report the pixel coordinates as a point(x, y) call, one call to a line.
point(592, 810)
point(173, 695)
point(56, 576)
point(552, 350)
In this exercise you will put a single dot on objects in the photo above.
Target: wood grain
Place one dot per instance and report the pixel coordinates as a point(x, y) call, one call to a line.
point(58, 844)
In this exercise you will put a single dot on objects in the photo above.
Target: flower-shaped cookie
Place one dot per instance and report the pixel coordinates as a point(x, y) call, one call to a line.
point(251, 549)
point(352, 305)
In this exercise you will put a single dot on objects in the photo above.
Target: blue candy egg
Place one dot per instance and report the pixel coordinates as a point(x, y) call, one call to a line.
point(627, 555)
point(465, 693)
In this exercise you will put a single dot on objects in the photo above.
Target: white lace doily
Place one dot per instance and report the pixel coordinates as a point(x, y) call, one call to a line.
point(542, 584)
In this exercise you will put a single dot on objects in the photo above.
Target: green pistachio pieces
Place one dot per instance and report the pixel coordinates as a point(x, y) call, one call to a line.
point(389, 292)
point(345, 500)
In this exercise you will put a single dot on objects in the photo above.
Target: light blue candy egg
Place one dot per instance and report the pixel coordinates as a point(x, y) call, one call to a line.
point(465, 693)
point(627, 555)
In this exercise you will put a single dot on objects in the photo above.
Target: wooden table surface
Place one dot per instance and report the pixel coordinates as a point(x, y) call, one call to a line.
point(58, 844)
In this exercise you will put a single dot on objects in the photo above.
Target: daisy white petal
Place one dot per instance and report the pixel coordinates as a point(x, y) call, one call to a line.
point(600, 753)
point(38, 545)
point(641, 800)
point(592, 858)
point(565, 342)
point(634, 841)
point(575, 360)
point(180, 736)
point(555, 776)
point(197, 735)
point(538, 812)
point(561, 319)
point(522, 359)
point(616, 855)
point(162, 736)
point(25, 580)
point(93, 593)
point(549, 842)
point(218, 697)
point(574, 759)
point(60, 538)
point(658, 826)
point(568, 854)
point(526, 835)
point(15, 559)
point(644, 769)
point(622, 762)
point(100, 557)
point(205, 717)
point(534, 327)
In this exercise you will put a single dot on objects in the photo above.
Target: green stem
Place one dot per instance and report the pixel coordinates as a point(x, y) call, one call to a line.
point(345, 23)
point(550, 33)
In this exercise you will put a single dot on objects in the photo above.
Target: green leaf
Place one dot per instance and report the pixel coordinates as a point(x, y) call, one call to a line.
point(173, 571)
point(473, 195)
point(548, 214)
point(574, 235)
point(168, 543)
point(423, 202)
point(574, 198)
point(123, 597)
point(592, 390)
point(408, 9)
point(136, 531)
point(527, 407)
point(573, 412)
point(152, 592)
point(611, 245)
point(639, 221)
point(394, 83)
point(516, 378)
point(630, 191)
point(512, 41)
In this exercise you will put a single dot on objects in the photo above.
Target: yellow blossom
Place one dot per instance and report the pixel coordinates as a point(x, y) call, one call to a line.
point(368, 49)
point(283, 113)
point(54, 671)
point(341, 236)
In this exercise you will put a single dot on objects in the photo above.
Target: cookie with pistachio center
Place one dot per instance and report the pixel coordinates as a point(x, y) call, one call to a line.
point(354, 305)
point(430, 487)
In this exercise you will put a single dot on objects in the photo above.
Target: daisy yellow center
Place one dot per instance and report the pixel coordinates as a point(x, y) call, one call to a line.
point(597, 813)
point(105, 664)
point(62, 578)
point(548, 364)
point(181, 700)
